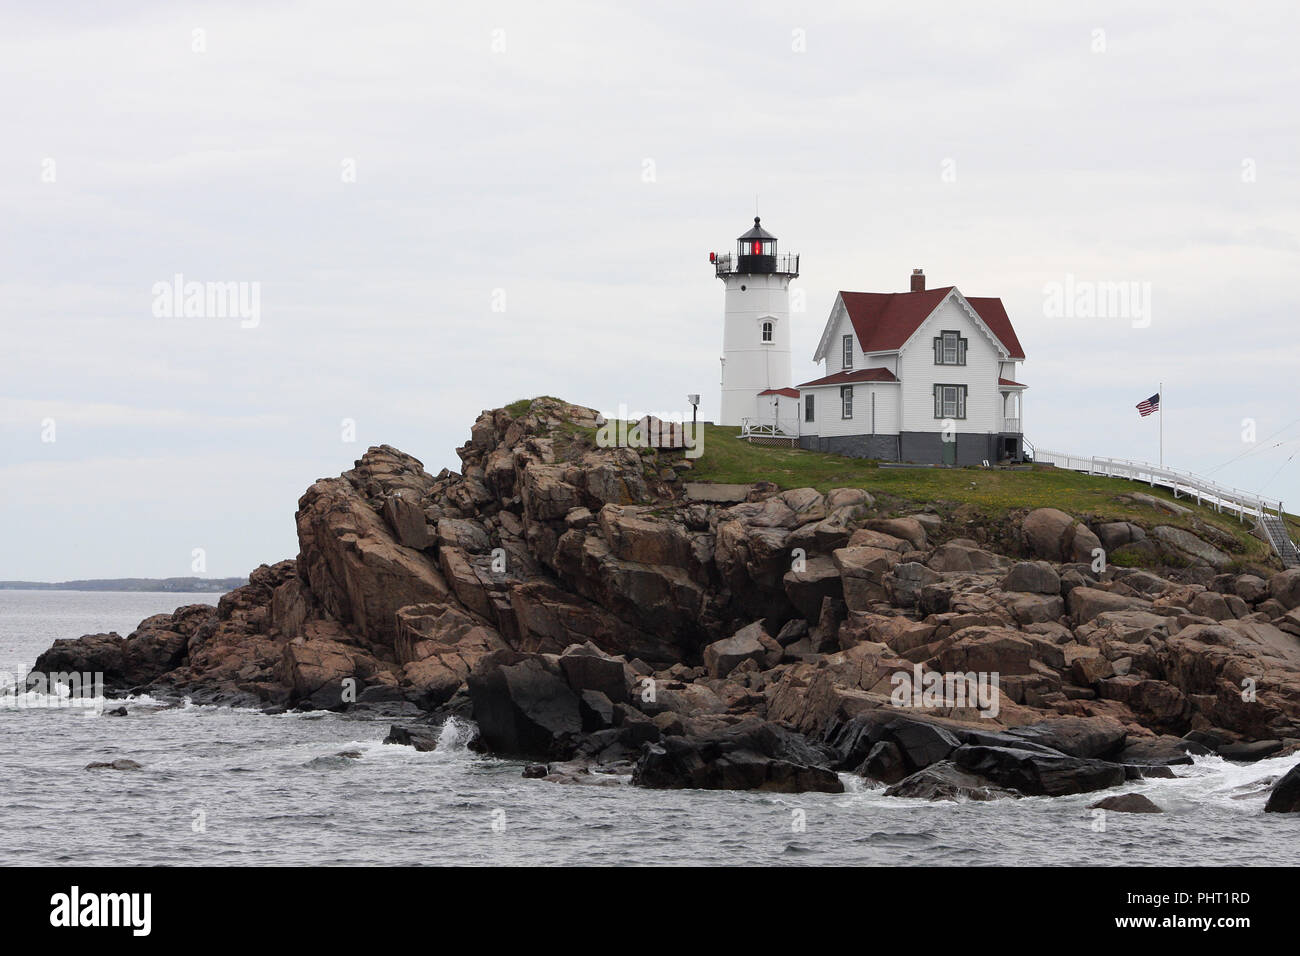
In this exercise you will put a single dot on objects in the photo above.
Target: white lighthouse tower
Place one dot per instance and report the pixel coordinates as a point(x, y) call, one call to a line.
point(756, 330)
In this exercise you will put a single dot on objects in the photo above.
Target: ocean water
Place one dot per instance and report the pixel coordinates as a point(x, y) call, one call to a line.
point(224, 786)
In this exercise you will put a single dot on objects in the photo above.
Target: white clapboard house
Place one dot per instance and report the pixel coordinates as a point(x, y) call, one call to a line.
point(900, 368)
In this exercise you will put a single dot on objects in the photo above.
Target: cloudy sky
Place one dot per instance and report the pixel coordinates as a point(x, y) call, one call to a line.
point(445, 207)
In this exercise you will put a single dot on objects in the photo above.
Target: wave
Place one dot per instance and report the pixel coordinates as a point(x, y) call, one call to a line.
point(455, 735)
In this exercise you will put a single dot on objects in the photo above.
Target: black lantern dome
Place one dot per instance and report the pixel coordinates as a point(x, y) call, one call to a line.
point(756, 255)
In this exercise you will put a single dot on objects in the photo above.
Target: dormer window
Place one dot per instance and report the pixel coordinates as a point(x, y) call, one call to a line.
point(949, 348)
point(767, 331)
point(848, 352)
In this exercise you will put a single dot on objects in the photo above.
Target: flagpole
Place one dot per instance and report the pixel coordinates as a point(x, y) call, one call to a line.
point(1162, 424)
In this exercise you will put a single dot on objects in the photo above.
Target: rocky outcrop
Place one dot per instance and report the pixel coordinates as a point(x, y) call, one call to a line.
point(588, 612)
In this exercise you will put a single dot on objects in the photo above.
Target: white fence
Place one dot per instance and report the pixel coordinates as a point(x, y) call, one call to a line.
point(1204, 490)
point(765, 433)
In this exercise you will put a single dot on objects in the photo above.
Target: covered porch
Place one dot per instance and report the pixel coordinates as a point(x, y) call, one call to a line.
point(1010, 420)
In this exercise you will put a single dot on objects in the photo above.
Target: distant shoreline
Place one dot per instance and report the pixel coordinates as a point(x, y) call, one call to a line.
point(176, 585)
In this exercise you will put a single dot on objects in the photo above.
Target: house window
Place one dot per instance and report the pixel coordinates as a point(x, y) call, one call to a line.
point(808, 407)
point(949, 349)
point(848, 351)
point(767, 331)
point(950, 401)
point(846, 401)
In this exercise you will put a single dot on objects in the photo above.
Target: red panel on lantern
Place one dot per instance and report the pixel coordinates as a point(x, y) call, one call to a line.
point(758, 248)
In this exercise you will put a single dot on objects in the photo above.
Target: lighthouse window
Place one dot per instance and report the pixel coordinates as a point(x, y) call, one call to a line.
point(848, 351)
point(846, 401)
point(808, 407)
point(767, 331)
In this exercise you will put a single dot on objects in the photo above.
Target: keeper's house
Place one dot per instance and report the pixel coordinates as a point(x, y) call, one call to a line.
point(902, 369)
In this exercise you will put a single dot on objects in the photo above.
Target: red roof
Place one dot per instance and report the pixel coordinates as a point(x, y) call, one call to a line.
point(883, 321)
point(787, 392)
point(849, 378)
point(1007, 381)
point(994, 314)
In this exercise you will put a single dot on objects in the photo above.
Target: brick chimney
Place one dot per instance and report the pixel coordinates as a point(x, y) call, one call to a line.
point(918, 280)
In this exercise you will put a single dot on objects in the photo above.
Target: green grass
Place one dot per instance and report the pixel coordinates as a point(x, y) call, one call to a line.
point(974, 492)
point(969, 497)
point(520, 408)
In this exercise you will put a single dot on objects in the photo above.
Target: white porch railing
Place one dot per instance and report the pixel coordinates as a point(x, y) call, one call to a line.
point(751, 429)
point(1011, 425)
point(1180, 483)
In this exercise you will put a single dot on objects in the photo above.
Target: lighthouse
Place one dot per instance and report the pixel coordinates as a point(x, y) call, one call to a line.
point(756, 331)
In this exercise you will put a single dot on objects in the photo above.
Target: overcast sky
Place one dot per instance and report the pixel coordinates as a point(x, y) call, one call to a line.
point(446, 207)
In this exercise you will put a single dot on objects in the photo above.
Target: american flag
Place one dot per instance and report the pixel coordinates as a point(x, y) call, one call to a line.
point(1152, 404)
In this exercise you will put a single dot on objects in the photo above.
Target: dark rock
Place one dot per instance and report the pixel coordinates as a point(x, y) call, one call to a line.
point(1126, 803)
point(884, 763)
point(920, 743)
point(1087, 737)
point(1250, 752)
point(946, 781)
point(523, 709)
point(806, 589)
point(1159, 751)
point(596, 709)
point(420, 736)
point(587, 667)
point(1038, 774)
point(634, 727)
point(752, 755)
point(749, 643)
point(1285, 795)
point(917, 743)
point(792, 631)
point(1135, 772)
point(120, 764)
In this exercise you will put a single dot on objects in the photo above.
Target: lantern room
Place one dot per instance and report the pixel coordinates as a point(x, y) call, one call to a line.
point(756, 250)
point(756, 255)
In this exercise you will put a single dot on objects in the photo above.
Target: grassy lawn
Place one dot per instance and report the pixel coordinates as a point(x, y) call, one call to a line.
point(973, 496)
point(975, 491)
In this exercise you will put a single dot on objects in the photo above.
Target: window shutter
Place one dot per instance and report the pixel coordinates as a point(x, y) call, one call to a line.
point(938, 350)
point(961, 402)
point(961, 351)
point(938, 401)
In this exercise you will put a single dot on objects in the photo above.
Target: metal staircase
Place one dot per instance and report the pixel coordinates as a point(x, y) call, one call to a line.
point(1274, 530)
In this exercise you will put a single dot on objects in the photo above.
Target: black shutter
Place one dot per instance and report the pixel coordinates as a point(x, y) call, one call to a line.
point(961, 351)
point(938, 401)
point(961, 401)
